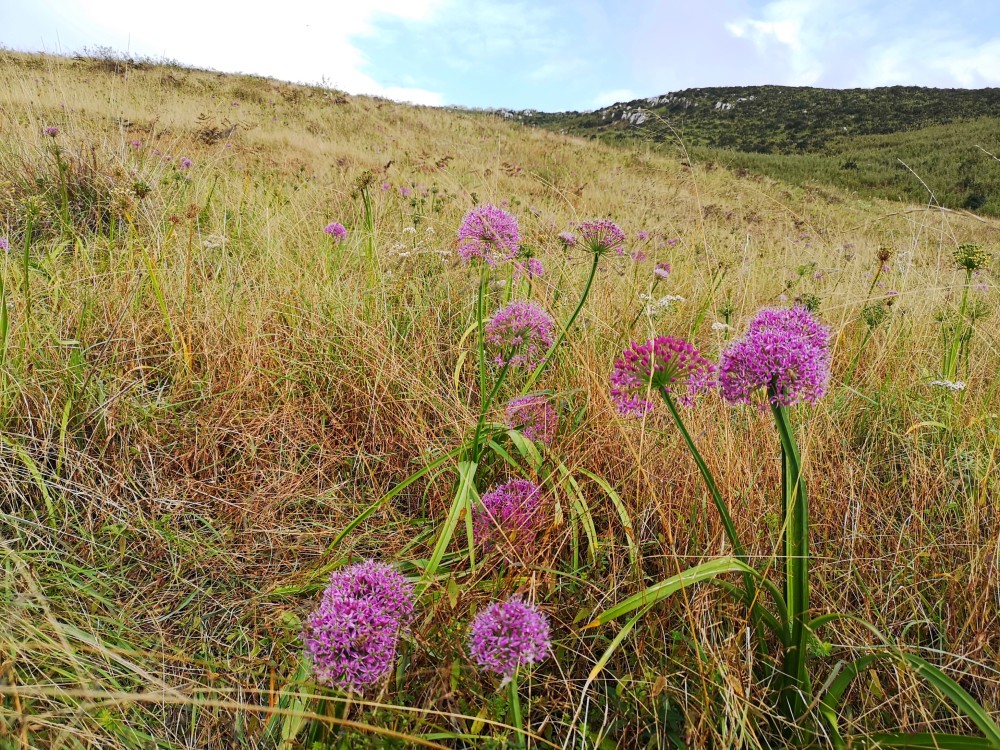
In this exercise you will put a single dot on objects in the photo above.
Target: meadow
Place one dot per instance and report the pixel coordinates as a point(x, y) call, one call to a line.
point(248, 341)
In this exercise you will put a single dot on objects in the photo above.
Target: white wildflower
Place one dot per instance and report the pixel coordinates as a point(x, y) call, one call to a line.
point(951, 385)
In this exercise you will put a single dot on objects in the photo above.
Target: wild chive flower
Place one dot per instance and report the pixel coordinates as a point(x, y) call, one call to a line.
point(509, 509)
point(185, 163)
point(601, 236)
point(971, 257)
point(488, 233)
point(662, 271)
point(786, 352)
point(336, 231)
point(4, 244)
point(534, 416)
point(51, 131)
point(378, 582)
point(642, 235)
point(351, 637)
point(508, 635)
point(522, 332)
point(568, 239)
point(661, 363)
point(351, 642)
point(530, 268)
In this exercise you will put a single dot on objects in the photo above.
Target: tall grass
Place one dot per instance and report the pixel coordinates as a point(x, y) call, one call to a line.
point(203, 416)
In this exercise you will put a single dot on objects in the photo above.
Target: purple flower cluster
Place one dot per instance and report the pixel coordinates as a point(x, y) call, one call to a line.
point(568, 239)
point(658, 364)
point(4, 244)
point(785, 351)
point(51, 131)
point(522, 332)
point(534, 416)
point(488, 233)
point(508, 635)
point(185, 163)
point(662, 271)
point(510, 508)
point(351, 637)
point(336, 231)
point(602, 236)
point(531, 268)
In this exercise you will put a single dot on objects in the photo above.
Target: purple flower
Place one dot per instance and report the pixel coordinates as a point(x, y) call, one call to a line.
point(352, 643)
point(4, 244)
point(522, 332)
point(135, 144)
point(638, 256)
point(405, 191)
point(674, 241)
point(507, 510)
point(381, 583)
point(658, 364)
point(488, 233)
point(534, 416)
point(508, 635)
point(662, 270)
point(51, 131)
point(185, 163)
point(786, 352)
point(351, 637)
point(601, 236)
point(386, 186)
point(530, 268)
point(336, 231)
point(642, 235)
point(568, 239)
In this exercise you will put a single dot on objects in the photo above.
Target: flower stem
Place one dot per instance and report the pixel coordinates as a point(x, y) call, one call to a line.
point(562, 334)
point(515, 707)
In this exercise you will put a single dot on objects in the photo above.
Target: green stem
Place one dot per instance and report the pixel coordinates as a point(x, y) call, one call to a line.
point(562, 334)
point(515, 707)
point(484, 278)
point(795, 525)
point(713, 490)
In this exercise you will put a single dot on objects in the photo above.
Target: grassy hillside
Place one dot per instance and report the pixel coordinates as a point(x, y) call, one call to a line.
point(207, 405)
point(851, 138)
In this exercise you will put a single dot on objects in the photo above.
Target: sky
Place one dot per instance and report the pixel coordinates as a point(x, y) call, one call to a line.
point(551, 55)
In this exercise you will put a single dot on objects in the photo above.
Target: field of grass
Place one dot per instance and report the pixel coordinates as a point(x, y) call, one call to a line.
point(207, 405)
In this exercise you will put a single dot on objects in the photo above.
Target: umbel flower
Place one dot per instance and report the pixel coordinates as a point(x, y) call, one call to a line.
point(534, 416)
point(662, 363)
point(602, 236)
point(508, 635)
point(351, 637)
point(489, 234)
point(336, 231)
point(971, 257)
point(520, 333)
point(568, 239)
point(786, 352)
point(507, 510)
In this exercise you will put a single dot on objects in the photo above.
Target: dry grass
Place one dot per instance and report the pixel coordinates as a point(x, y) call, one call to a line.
point(199, 391)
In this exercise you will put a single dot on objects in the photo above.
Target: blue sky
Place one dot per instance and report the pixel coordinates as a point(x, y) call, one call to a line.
point(541, 54)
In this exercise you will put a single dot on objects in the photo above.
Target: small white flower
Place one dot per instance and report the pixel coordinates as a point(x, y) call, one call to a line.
point(956, 385)
point(404, 254)
point(430, 230)
point(720, 326)
point(409, 230)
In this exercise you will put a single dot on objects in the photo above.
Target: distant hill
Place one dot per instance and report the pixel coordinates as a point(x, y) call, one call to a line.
point(860, 139)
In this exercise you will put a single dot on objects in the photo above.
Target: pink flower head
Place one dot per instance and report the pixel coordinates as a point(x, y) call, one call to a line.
point(4, 244)
point(488, 233)
point(135, 144)
point(529, 269)
point(534, 416)
point(674, 241)
point(568, 239)
point(386, 186)
point(185, 163)
point(660, 363)
point(405, 191)
point(602, 236)
point(520, 333)
point(336, 231)
point(642, 235)
point(508, 510)
point(785, 352)
point(51, 131)
point(351, 637)
point(662, 270)
point(508, 635)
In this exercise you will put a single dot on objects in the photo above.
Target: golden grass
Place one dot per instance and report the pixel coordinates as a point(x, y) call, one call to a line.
point(201, 390)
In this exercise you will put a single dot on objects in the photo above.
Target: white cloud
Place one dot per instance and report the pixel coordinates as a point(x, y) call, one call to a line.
point(606, 98)
point(302, 40)
point(761, 32)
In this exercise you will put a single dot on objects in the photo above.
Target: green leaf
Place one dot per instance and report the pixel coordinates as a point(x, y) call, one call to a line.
point(645, 599)
point(459, 506)
point(623, 514)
